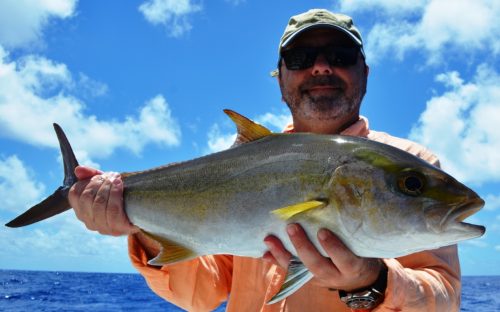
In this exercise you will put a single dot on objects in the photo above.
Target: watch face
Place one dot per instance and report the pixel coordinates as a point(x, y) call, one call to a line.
point(361, 303)
point(361, 300)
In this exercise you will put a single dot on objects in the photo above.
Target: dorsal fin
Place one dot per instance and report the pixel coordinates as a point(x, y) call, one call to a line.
point(248, 130)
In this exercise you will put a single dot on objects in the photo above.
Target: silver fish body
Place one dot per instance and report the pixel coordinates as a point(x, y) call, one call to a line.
point(223, 203)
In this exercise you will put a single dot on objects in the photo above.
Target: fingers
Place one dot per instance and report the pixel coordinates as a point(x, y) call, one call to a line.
point(364, 270)
point(277, 253)
point(83, 172)
point(342, 269)
point(116, 217)
point(99, 206)
point(308, 254)
point(87, 209)
point(339, 254)
point(268, 256)
point(98, 202)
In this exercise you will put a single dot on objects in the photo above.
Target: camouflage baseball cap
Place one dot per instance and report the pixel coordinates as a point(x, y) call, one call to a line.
point(319, 18)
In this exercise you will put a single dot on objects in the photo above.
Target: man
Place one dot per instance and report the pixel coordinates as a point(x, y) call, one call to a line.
point(322, 75)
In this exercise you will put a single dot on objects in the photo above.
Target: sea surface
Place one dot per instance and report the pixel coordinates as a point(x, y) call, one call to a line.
point(69, 291)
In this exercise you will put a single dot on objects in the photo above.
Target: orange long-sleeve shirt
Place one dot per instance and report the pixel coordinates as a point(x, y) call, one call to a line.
point(424, 281)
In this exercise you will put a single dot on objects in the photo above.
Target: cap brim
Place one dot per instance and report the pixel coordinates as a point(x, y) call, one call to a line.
point(321, 25)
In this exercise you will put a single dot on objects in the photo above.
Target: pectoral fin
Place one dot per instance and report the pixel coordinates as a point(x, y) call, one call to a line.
point(296, 277)
point(170, 251)
point(286, 213)
point(247, 129)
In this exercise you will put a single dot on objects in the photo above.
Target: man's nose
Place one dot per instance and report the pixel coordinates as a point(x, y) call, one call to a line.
point(321, 66)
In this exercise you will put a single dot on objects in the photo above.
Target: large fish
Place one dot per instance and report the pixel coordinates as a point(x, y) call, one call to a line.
point(381, 201)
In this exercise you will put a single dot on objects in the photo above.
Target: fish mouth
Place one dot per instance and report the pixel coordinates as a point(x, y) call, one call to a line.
point(458, 214)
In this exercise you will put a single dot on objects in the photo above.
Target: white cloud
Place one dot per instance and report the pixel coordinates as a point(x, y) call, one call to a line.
point(33, 92)
point(492, 202)
point(88, 87)
point(477, 242)
point(218, 141)
point(22, 21)
point(15, 179)
point(461, 125)
point(275, 122)
point(392, 7)
point(434, 27)
point(62, 235)
point(173, 14)
point(494, 224)
point(497, 247)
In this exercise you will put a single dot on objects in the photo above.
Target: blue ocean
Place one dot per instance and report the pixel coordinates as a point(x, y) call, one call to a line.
point(69, 291)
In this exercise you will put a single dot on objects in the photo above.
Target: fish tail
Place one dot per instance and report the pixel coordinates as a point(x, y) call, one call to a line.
point(58, 201)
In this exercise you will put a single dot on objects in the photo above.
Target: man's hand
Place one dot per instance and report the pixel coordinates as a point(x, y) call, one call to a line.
point(97, 199)
point(340, 270)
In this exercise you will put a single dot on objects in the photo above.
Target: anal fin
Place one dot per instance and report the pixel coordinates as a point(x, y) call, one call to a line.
point(296, 277)
point(170, 251)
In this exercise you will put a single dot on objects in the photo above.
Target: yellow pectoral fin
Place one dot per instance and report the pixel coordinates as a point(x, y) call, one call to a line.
point(286, 213)
point(170, 252)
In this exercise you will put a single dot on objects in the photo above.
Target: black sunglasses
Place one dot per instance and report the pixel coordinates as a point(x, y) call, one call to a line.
point(304, 57)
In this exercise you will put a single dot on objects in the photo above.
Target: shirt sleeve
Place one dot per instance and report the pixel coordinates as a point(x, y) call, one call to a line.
point(424, 281)
point(201, 284)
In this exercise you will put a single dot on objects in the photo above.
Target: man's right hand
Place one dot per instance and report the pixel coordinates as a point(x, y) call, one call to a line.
point(97, 199)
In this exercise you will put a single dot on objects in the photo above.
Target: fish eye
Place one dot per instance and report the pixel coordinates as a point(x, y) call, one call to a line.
point(411, 183)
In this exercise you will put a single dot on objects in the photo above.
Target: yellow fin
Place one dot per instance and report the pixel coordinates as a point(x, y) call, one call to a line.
point(170, 251)
point(286, 213)
point(247, 129)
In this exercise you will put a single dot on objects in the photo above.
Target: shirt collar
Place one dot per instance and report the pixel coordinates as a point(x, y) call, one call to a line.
point(359, 128)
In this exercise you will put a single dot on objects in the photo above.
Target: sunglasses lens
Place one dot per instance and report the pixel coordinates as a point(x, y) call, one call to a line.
point(299, 58)
point(302, 58)
point(341, 56)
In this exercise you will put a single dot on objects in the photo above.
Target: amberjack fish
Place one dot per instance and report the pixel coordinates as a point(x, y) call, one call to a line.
point(380, 201)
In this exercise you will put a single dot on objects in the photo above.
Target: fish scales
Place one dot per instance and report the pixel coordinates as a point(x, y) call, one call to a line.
point(235, 189)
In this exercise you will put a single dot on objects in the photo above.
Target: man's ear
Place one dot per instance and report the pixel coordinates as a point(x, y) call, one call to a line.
point(278, 79)
point(367, 70)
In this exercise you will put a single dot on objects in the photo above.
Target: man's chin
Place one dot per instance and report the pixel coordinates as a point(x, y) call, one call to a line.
point(324, 103)
point(333, 93)
point(325, 108)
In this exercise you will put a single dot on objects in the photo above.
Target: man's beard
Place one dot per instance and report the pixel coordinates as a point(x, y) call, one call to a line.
point(324, 107)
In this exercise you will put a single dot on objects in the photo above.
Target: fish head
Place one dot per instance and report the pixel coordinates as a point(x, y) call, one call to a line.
point(393, 203)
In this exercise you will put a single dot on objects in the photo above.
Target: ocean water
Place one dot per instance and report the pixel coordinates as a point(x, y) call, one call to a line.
point(69, 291)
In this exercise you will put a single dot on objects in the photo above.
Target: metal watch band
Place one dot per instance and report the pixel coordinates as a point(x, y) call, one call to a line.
point(368, 297)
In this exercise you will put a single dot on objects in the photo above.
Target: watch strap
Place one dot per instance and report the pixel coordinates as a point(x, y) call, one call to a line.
point(367, 298)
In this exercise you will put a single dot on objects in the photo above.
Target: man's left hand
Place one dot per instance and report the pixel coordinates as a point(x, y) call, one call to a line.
point(342, 269)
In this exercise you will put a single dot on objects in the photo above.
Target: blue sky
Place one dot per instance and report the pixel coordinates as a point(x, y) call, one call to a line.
point(136, 84)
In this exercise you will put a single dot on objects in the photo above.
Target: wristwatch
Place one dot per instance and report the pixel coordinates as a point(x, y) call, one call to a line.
point(369, 297)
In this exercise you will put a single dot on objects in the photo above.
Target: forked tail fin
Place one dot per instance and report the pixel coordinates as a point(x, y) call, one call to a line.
point(58, 201)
